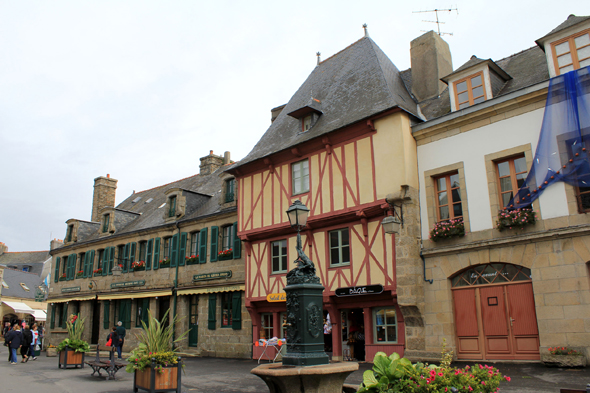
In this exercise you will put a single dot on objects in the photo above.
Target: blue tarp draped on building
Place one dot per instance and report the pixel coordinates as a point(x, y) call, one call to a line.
point(563, 151)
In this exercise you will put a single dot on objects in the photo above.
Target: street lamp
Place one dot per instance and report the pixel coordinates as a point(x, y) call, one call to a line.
point(391, 225)
point(298, 214)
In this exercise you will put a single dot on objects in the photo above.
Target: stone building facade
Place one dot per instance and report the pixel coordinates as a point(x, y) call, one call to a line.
point(178, 253)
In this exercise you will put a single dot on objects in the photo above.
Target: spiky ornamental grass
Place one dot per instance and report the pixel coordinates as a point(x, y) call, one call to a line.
point(75, 326)
point(155, 343)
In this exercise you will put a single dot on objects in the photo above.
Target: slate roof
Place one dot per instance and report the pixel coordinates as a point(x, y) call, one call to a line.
point(151, 215)
point(570, 21)
point(354, 84)
point(14, 277)
point(17, 260)
point(526, 68)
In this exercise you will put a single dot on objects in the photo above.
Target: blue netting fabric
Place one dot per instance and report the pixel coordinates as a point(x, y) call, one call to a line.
point(564, 142)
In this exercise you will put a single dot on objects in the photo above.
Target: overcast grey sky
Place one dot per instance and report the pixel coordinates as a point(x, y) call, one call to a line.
point(142, 89)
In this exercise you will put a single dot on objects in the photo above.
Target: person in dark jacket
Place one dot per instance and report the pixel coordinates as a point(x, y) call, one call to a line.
point(121, 333)
point(26, 344)
point(113, 337)
point(14, 338)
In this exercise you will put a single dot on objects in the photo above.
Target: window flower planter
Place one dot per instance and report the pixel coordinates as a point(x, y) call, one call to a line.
point(563, 357)
point(138, 266)
point(164, 263)
point(225, 255)
point(447, 229)
point(97, 272)
point(515, 219)
point(62, 277)
point(158, 378)
point(192, 260)
point(79, 274)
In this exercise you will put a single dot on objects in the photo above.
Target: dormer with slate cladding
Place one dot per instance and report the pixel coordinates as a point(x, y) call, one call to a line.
point(567, 47)
point(181, 202)
point(118, 219)
point(78, 230)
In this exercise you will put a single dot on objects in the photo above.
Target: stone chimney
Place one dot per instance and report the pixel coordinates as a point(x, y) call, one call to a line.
point(3, 248)
point(275, 112)
point(55, 243)
point(226, 158)
point(210, 163)
point(104, 195)
point(431, 60)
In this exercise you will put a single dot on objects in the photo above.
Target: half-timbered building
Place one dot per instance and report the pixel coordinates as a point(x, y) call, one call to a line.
point(342, 145)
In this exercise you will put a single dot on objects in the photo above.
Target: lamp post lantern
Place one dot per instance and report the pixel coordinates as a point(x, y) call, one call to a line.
point(305, 339)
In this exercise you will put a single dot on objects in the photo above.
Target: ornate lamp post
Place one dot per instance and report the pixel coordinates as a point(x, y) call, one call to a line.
point(305, 339)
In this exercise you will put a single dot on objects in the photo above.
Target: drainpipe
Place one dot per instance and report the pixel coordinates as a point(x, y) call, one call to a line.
point(175, 290)
point(424, 265)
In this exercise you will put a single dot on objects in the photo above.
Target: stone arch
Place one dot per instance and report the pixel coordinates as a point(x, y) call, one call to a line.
point(490, 273)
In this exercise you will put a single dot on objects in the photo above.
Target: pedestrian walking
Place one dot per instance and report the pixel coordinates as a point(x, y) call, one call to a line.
point(112, 338)
point(26, 344)
point(121, 333)
point(15, 340)
point(35, 343)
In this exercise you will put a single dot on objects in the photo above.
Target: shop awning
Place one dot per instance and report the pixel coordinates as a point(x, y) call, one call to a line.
point(225, 288)
point(39, 315)
point(136, 295)
point(18, 307)
point(71, 299)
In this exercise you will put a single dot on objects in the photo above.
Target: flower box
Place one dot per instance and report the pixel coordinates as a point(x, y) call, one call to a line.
point(515, 219)
point(447, 229)
point(563, 357)
point(79, 274)
point(97, 272)
point(69, 357)
point(192, 260)
point(62, 278)
point(158, 378)
point(225, 255)
point(138, 266)
point(138, 269)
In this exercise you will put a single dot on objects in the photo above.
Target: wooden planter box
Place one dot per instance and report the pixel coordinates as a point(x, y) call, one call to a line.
point(71, 358)
point(151, 380)
point(564, 361)
point(225, 257)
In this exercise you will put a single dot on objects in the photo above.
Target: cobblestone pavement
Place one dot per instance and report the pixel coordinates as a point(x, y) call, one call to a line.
point(211, 375)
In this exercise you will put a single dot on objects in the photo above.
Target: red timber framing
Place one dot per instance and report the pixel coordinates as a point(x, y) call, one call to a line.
point(342, 194)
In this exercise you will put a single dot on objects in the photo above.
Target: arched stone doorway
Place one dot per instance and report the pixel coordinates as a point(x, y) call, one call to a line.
point(494, 311)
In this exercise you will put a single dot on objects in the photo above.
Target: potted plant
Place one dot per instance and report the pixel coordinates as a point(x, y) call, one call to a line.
point(51, 351)
point(225, 254)
point(447, 229)
point(563, 357)
point(72, 349)
point(138, 265)
point(192, 260)
point(518, 218)
point(154, 361)
point(62, 277)
point(165, 262)
point(97, 272)
point(79, 274)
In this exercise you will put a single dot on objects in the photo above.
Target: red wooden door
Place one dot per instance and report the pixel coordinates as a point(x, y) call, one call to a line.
point(468, 342)
point(523, 321)
point(495, 322)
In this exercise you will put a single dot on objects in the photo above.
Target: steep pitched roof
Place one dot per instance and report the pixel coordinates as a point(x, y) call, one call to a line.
point(34, 259)
point(569, 22)
point(352, 85)
point(14, 278)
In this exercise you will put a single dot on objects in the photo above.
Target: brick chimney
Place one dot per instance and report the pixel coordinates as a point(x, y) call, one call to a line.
point(55, 243)
point(3, 248)
point(104, 195)
point(431, 60)
point(210, 163)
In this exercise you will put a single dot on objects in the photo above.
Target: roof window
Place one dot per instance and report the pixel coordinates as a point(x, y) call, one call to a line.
point(149, 200)
point(4, 285)
point(22, 284)
point(162, 205)
point(136, 200)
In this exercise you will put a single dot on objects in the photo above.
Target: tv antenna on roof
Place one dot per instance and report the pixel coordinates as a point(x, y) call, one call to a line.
point(438, 22)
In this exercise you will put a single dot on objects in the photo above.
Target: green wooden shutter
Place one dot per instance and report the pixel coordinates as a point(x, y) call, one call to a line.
point(64, 316)
point(85, 268)
point(236, 310)
point(126, 257)
point(107, 312)
point(157, 254)
point(145, 315)
point(182, 249)
point(72, 270)
point(214, 244)
point(52, 325)
point(203, 246)
point(174, 250)
point(148, 255)
point(132, 251)
point(91, 264)
point(125, 312)
point(56, 271)
point(212, 310)
point(111, 259)
point(237, 242)
point(105, 261)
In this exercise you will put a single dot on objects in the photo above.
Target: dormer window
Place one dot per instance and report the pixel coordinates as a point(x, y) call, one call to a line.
point(105, 223)
point(69, 233)
point(230, 190)
point(469, 91)
point(571, 53)
point(308, 114)
point(172, 206)
point(306, 123)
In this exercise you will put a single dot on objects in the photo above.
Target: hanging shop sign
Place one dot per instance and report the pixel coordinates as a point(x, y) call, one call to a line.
point(212, 276)
point(276, 297)
point(70, 289)
point(127, 284)
point(362, 290)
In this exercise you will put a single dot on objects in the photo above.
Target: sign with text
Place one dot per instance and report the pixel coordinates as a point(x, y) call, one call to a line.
point(127, 284)
point(362, 290)
point(276, 297)
point(70, 289)
point(211, 276)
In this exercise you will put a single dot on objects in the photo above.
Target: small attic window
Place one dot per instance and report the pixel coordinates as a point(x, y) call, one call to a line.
point(572, 53)
point(162, 205)
point(306, 123)
point(469, 91)
point(136, 200)
point(26, 268)
point(22, 284)
point(149, 200)
point(4, 285)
